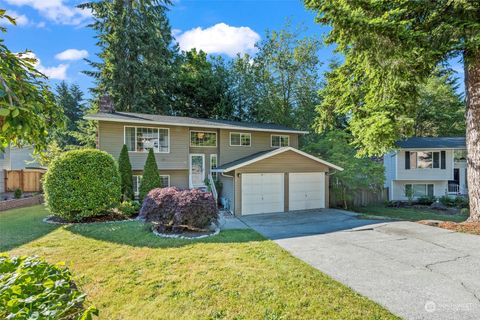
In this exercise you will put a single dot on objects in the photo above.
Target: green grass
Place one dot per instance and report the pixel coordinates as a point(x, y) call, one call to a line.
point(129, 273)
point(410, 214)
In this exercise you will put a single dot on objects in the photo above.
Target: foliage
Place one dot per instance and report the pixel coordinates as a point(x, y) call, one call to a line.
point(426, 200)
point(129, 207)
point(151, 177)
point(126, 176)
point(137, 65)
point(457, 201)
point(82, 183)
point(31, 288)
point(177, 209)
point(447, 201)
point(411, 214)
point(18, 193)
point(51, 152)
point(27, 108)
point(358, 173)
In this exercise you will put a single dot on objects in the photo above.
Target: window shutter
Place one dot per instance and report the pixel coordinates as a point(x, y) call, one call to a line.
point(407, 160)
point(430, 190)
point(436, 160)
point(443, 158)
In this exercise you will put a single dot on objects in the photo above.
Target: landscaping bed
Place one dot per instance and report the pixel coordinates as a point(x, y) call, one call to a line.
point(466, 227)
point(413, 213)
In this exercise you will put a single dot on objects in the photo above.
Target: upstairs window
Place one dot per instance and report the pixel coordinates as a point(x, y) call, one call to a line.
point(142, 139)
point(280, 141)
point(425, 160)
point(203, 139)
point(238, 139)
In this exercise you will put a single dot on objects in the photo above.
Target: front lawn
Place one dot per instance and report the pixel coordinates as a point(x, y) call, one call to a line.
point(410, 214)
point(128, 273)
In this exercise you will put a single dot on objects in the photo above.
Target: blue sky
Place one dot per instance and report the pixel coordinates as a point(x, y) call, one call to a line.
point(55, 31)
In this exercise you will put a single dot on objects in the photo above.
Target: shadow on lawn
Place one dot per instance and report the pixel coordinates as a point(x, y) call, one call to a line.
point(138, 234)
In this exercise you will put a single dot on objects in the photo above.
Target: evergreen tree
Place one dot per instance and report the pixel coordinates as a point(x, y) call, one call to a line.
point(70, 99)
point(151, 177)
point(126, 176)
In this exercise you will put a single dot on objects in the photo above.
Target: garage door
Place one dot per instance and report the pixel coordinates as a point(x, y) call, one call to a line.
point(306, 190)
point(262, 193)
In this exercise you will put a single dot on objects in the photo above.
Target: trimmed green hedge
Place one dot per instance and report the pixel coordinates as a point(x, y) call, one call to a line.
point(81, 184)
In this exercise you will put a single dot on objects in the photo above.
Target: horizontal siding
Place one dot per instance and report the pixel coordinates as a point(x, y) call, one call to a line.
point(288, 161)
point(178, 178)
point(111, 140)
point(398, 192)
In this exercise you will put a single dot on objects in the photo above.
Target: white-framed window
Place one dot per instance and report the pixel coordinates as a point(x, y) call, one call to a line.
point(213, 165)
point(164, 180)
point(419, 189)
point(240, 139)
point(142, 139)
point(278, 140)
point(203, 138)
point(136, 184)
point(424, 159)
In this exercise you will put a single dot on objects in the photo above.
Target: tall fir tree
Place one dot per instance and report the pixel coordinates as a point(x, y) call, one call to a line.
point(151, 177)
point(138, 57)
point(70, 98)
point(126, 175)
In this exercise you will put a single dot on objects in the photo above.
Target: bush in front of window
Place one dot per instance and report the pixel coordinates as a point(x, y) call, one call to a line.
point(81, 184)
point(426, 200)
point(151, 177)
point(175, 210)
point(126, 175)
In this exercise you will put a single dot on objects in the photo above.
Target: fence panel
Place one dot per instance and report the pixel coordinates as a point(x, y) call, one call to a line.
point(25, 180)
point(361, 198)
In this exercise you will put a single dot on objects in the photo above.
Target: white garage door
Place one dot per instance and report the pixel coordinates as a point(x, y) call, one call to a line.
point(306, 190)
point(262, 193)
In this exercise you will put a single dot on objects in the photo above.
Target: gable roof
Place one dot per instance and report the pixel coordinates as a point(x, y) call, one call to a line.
point(433, 142)
point(267, 154)
point(154, 119)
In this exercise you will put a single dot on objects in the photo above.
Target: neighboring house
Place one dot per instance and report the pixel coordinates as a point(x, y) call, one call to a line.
point(259, 164)
point(427, 167)
point(14, 158)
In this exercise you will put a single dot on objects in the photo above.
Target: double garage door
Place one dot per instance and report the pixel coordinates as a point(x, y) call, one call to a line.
point(265, 192)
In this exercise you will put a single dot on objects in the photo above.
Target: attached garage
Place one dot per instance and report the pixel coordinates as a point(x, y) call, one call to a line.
point(279, 180)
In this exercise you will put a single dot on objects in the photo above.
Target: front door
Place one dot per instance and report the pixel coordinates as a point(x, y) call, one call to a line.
point(197, 170)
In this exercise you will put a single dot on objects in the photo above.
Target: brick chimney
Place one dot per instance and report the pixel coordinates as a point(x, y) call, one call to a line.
point(106, 104)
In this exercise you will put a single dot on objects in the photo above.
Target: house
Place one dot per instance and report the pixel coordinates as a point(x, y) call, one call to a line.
point(259, 164)
point(427, 167)
point(14, 158)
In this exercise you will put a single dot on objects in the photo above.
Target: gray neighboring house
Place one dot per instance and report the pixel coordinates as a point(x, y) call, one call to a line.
point(14, 158)
point(259, 164)
point(433, 166)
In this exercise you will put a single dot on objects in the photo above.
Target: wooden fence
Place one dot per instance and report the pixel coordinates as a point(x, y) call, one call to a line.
point(361, 198)
point(27, 180)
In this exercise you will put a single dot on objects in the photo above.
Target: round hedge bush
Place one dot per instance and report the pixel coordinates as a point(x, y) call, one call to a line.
point(81, 184)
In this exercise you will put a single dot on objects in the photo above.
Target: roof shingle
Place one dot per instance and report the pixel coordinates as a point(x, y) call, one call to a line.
point(433, 142)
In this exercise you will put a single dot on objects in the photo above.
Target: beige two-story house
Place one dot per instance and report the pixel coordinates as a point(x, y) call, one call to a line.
point(259, 164)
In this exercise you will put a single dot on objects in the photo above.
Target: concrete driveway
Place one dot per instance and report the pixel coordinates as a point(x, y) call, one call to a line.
point(415, 271)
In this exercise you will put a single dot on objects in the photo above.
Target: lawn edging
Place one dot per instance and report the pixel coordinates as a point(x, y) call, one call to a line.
point(21, 203)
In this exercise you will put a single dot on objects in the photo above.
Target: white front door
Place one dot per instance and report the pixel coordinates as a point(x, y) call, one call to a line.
point(306, 190)
point(262, 193)
point(197, 170)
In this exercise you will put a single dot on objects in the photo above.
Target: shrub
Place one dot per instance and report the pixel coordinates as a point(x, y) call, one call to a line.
point(82, 183)
point(447, 201)
point(176, 209)
point(426, 200)
point(31, 288)
point(461, 202)
point(129, 208)
point(151, 177)
point(126, 176)
point(18, 193)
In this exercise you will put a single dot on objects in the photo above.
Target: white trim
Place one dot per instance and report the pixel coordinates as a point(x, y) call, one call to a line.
point(216, 157)
point(190, 167)
point(240, 133)
point(278, 151)
point(158, 137)
point(216, 139)
point(92, 117)
point(279, 135)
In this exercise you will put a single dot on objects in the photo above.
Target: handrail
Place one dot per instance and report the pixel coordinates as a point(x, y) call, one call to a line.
point(212, 186)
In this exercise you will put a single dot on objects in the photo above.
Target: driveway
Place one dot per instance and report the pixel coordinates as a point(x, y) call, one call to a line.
point(415, 271)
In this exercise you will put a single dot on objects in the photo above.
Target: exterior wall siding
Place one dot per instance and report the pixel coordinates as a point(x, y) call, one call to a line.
point(228, 190)
point(398, 188)
point(21, 158)
point(425, 174)
point(178, 178)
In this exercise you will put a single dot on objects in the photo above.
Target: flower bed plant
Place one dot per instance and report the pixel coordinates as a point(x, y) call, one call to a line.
point(31, 288)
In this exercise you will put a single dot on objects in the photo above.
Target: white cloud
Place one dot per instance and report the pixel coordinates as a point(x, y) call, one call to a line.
point(220, 38)
point(57, 72)
point(55, 10)
point(72, 54)
point(20, 19)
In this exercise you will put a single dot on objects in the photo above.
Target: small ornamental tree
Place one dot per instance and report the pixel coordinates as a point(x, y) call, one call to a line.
point(151, 177)
point(126, 177)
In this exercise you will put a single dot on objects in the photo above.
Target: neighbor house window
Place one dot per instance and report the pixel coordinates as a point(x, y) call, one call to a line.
point(238, 139)
point(419, 190)
point(142, 139)
point(164, 181)
point(213, 165)
point(280, 141)
point(203, 139)
point(136, 184)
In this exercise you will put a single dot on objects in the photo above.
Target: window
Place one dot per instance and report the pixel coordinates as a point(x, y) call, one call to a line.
point(238, 139)
point(164, 181)
point(419, 190)
point(213, 165)
point(424, 160)
point(280, 141)
point(203, 139)
point(142, 139)
point(136, 184)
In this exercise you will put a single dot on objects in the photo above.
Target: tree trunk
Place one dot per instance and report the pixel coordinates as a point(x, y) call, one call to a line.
point(472, 89)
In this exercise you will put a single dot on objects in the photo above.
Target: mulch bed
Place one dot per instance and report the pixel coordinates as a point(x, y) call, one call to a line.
point(110, 217)
point(182, 232)
point(466, 227)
